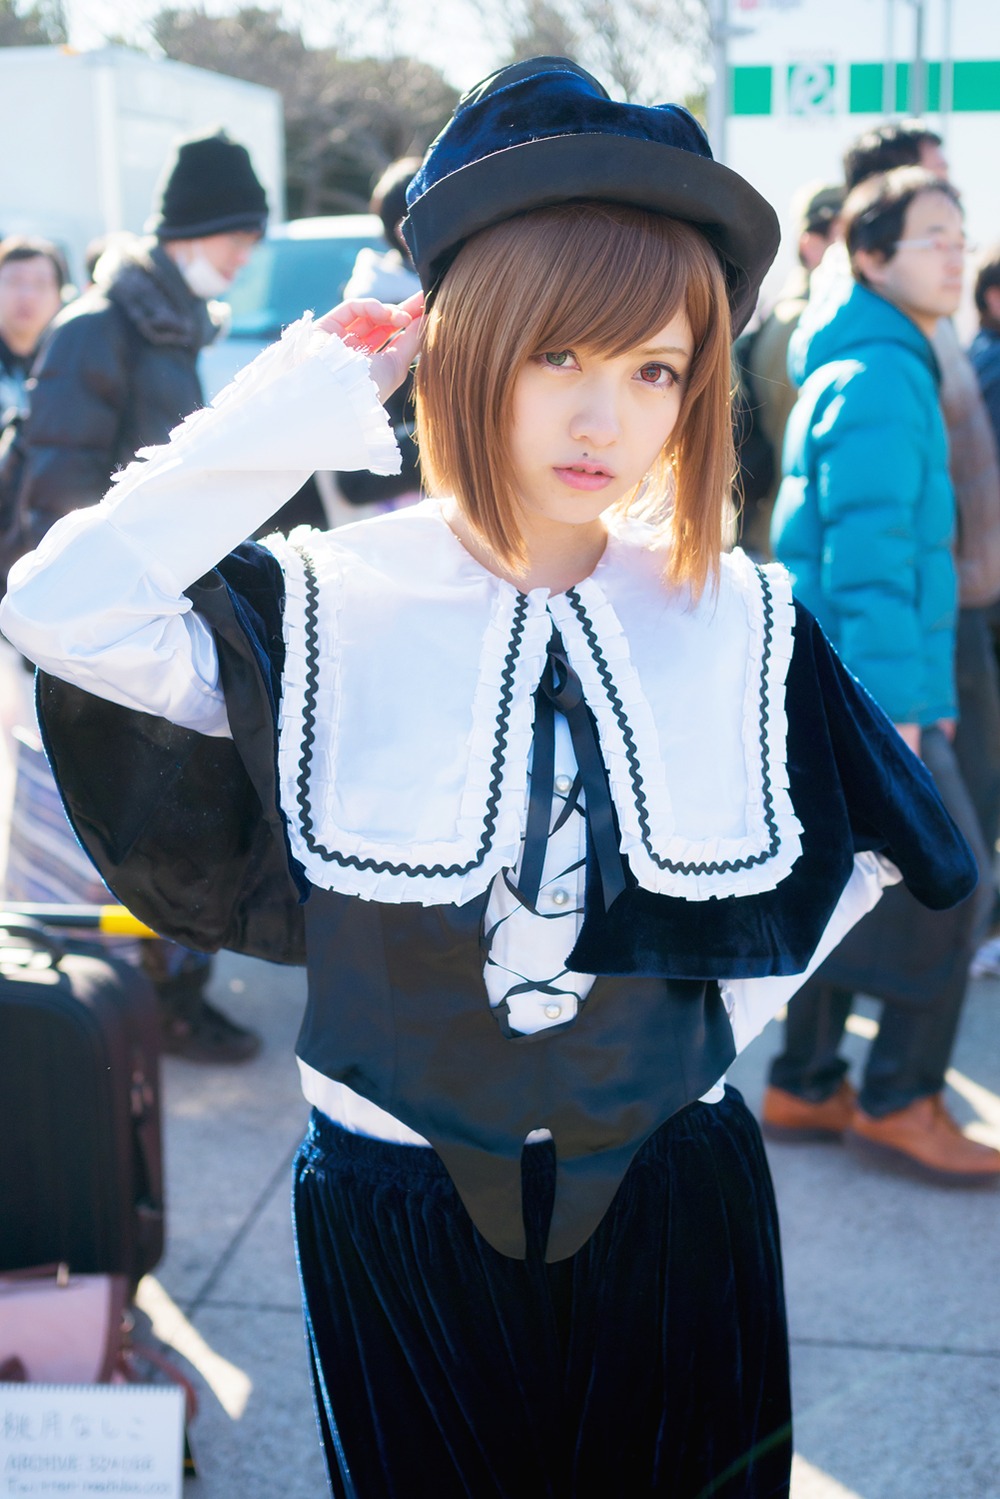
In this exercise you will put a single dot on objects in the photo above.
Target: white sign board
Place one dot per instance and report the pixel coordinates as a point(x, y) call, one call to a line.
point(72, 1441)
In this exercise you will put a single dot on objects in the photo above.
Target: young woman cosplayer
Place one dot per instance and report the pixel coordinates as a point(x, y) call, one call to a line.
point(557, 800)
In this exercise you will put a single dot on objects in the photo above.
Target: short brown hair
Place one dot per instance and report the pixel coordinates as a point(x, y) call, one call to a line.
point(894, 143)
point(875, 212)
point(24, 247)
point(594, 276)
point(987, 276)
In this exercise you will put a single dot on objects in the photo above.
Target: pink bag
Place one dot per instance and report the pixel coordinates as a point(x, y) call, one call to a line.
point(58, 1328)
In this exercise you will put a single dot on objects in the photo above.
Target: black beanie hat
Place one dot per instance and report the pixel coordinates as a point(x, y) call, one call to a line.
point(209, 187)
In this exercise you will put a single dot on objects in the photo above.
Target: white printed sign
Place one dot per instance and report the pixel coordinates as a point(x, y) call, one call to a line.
point(74, 1441)
point(812, 88)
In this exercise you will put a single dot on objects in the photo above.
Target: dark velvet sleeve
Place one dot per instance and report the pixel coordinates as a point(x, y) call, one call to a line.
point(892, 802)
point(183, 827)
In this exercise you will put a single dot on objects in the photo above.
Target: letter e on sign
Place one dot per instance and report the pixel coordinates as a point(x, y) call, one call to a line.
point(812, 88)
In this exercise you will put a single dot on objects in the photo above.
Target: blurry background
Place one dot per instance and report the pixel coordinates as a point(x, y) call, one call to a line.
point(783, 85)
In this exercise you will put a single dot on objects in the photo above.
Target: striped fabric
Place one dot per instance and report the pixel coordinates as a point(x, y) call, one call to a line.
point(45, 863)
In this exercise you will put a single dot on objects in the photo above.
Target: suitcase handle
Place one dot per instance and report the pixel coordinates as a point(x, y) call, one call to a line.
point(33, 934)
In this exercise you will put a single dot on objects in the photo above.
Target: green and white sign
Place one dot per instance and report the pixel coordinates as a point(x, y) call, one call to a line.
point(816, 88)
point(806, 77)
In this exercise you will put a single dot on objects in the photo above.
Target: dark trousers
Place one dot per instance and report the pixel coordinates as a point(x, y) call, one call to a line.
point(977, 742)
point(916, 961)
point(653, 1362)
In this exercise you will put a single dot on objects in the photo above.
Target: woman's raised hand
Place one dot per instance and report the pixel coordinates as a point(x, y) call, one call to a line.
point(389, 335)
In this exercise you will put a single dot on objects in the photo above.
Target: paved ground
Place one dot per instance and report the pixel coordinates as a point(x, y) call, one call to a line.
point(892, 1284)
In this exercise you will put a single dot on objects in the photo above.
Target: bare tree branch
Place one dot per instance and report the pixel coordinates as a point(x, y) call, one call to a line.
point(345, 118)
point(40, 25)
point(633, 45)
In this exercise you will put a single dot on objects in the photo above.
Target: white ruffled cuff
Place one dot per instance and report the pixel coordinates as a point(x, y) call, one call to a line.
point(307, 402)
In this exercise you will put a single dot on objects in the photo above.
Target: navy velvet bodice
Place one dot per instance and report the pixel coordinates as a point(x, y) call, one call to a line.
point(398, 1011)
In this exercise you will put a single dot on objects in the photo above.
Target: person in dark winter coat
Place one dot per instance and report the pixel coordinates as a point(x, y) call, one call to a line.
point(764, 376)
point(119, 369)
point(118, 372)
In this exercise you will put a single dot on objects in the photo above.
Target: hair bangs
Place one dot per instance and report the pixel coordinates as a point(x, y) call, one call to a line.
point(629, 282)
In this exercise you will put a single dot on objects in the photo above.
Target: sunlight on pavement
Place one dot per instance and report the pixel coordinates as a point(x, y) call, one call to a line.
point(230, 1386)
point(862, 1025)
point(812, 1483)
point(986, 1104)
point(983, 1100)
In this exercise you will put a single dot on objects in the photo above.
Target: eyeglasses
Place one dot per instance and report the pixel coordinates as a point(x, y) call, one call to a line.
point(938, 246)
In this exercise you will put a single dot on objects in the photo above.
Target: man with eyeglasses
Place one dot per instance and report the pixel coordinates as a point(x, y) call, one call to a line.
point(974, 466)
point(864, 521)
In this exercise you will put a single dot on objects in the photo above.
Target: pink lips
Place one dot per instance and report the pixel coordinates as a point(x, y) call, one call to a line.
point(589, 476)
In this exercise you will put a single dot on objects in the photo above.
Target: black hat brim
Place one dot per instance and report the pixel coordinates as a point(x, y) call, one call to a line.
point(740, 224)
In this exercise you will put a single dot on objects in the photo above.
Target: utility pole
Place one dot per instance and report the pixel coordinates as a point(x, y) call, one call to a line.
point(721, 32)
point(917, 93)
point(718, 94)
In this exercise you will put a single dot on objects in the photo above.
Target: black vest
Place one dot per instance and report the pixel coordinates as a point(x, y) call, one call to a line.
point(398, 1010)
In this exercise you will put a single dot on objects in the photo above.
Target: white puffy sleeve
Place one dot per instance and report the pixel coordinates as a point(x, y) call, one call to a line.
point(101, 602)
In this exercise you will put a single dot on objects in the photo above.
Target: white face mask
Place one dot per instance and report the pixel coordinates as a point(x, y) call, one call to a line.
point(201, 276)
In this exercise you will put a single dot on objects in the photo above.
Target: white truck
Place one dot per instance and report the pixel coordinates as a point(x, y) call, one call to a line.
point(86, 134)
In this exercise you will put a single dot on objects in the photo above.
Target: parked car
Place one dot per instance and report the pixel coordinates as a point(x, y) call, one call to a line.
point(299, 266)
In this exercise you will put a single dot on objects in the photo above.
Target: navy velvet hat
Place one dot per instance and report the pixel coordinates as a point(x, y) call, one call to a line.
point(543, 132)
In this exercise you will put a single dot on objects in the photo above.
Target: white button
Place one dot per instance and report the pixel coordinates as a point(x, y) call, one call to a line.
point(560, 897)
point(563, 783)
point(553, 1011)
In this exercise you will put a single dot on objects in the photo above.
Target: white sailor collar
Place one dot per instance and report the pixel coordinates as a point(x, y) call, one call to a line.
point(407, 710)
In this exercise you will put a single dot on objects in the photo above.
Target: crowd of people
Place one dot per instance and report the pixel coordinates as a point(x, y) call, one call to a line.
point(536, 770)
point(113, 370)
point(118, 371)
point(884, 508)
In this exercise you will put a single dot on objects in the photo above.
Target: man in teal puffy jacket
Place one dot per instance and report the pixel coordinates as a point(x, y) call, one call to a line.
point(864, 521)
point(866, 514)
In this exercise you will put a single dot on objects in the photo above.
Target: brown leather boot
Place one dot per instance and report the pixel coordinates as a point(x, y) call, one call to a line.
point(926, 1136)
point(785, 1116)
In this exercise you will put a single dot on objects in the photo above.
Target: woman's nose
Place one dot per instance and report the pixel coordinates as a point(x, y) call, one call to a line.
point(596, 419)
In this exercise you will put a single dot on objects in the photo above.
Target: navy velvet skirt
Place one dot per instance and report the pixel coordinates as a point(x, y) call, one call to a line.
point(654, 1362)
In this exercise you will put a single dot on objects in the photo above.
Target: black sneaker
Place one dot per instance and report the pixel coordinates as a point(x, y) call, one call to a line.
point(198, 1032)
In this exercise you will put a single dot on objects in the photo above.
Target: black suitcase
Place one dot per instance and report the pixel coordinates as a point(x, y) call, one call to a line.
point(81, 1169)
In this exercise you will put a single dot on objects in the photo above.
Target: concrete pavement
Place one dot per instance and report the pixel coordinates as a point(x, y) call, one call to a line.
point(892, 1283)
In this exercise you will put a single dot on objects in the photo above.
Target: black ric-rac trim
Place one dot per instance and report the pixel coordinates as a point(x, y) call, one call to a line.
point(385, 866)
point(726, 866)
